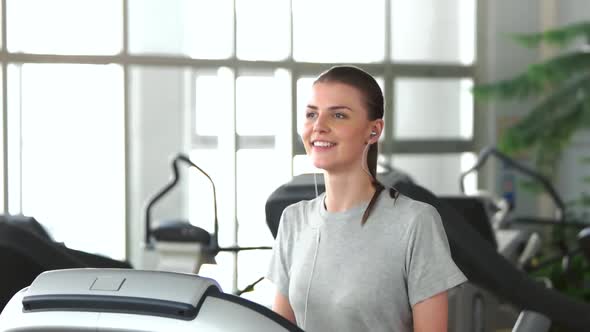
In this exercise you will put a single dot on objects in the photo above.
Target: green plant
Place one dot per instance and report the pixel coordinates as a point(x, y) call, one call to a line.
point(562, 87)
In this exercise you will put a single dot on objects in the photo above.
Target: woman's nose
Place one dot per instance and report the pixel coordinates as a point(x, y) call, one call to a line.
point(321, 123)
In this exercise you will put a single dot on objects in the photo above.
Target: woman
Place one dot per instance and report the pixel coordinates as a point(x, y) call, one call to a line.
point(358, 257)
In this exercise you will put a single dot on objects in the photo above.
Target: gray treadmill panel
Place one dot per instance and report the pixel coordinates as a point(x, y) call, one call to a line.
point(116, 308)
point(113, 290)
point(116, 304)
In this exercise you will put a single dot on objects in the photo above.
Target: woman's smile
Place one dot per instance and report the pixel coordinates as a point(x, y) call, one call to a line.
point(322, 145)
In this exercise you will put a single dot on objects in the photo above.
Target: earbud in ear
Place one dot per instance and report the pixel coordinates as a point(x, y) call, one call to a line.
point(373, 134)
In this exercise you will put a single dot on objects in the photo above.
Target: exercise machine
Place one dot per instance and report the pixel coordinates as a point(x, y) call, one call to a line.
point(492, 276)
point(118, 300)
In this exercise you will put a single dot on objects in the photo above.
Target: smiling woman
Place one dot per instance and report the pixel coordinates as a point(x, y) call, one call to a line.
point(333, 133)
point(377, 260)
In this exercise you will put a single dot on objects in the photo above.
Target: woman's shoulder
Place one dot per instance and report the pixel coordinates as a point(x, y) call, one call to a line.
point(406, 216)
point(406, 208)
point(296, 214)
point(417, 206)
point(302, 206)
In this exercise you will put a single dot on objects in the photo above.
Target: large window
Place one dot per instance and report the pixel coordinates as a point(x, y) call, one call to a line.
point(64, 26)
point(100, 95)
point(64, 125)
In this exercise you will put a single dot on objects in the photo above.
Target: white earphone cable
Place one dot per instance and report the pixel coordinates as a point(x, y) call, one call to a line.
point(315, 182)
point(364, 162)
point(315, 256)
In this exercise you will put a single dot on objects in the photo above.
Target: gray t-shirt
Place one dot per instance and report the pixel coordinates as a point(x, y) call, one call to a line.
point(341, 276)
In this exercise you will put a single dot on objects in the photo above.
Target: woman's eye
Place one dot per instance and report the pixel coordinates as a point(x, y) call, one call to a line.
point(340, 116)
point(310, 115)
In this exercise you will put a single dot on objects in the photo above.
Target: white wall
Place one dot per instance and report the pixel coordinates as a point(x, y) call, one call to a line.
point(571, 171)
point(159, 129)
point(159, 119)
point(501, 58)
point(572, 11)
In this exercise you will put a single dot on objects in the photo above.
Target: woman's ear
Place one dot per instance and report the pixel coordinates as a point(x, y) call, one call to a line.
point(376, 130)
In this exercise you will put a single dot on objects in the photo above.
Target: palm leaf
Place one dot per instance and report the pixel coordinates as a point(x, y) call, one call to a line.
point(537, 77)
point(559, 37)
point(530, 129)
point(544, 130)
point(557, 136)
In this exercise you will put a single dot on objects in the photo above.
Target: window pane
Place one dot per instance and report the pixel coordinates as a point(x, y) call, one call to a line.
point(13, 137)
point(222, 272)
point(210, 29)
point(251, 266)
point(260, 172)
point(338, 31)
point(218, 164)
point(303, 95)
point(263, 29)
point(73, 166)
point(156, 26)
point(433, 108)
point(262, 104)
point(65, 26)
point(433, 31)
point(442, 179)
point(196, 28)
point(213, 102)
point(302, 165)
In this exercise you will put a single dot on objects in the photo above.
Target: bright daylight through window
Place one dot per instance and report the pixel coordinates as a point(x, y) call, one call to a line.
point(96, 113)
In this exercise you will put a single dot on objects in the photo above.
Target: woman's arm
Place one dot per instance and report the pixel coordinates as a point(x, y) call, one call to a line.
point(283, 307)
point(431, 315)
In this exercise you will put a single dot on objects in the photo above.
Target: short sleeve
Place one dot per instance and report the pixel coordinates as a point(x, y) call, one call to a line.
point(278, 270)
point(429, 265)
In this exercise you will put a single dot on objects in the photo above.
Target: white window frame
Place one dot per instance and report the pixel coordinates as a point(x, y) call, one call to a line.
point(389, 70)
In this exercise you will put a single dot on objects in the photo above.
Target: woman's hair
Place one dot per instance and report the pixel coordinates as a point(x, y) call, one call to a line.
point(373, 99)
point(372, 95)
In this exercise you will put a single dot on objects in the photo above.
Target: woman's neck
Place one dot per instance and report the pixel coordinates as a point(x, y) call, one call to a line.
point(347, 190)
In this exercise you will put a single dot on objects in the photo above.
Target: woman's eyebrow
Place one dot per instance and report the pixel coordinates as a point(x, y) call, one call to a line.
point(331, 108)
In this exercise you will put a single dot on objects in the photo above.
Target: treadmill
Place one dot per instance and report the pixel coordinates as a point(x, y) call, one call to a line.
point(124, 300)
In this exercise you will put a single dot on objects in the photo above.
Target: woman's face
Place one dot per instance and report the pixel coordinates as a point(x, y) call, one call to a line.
point(337, 127)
